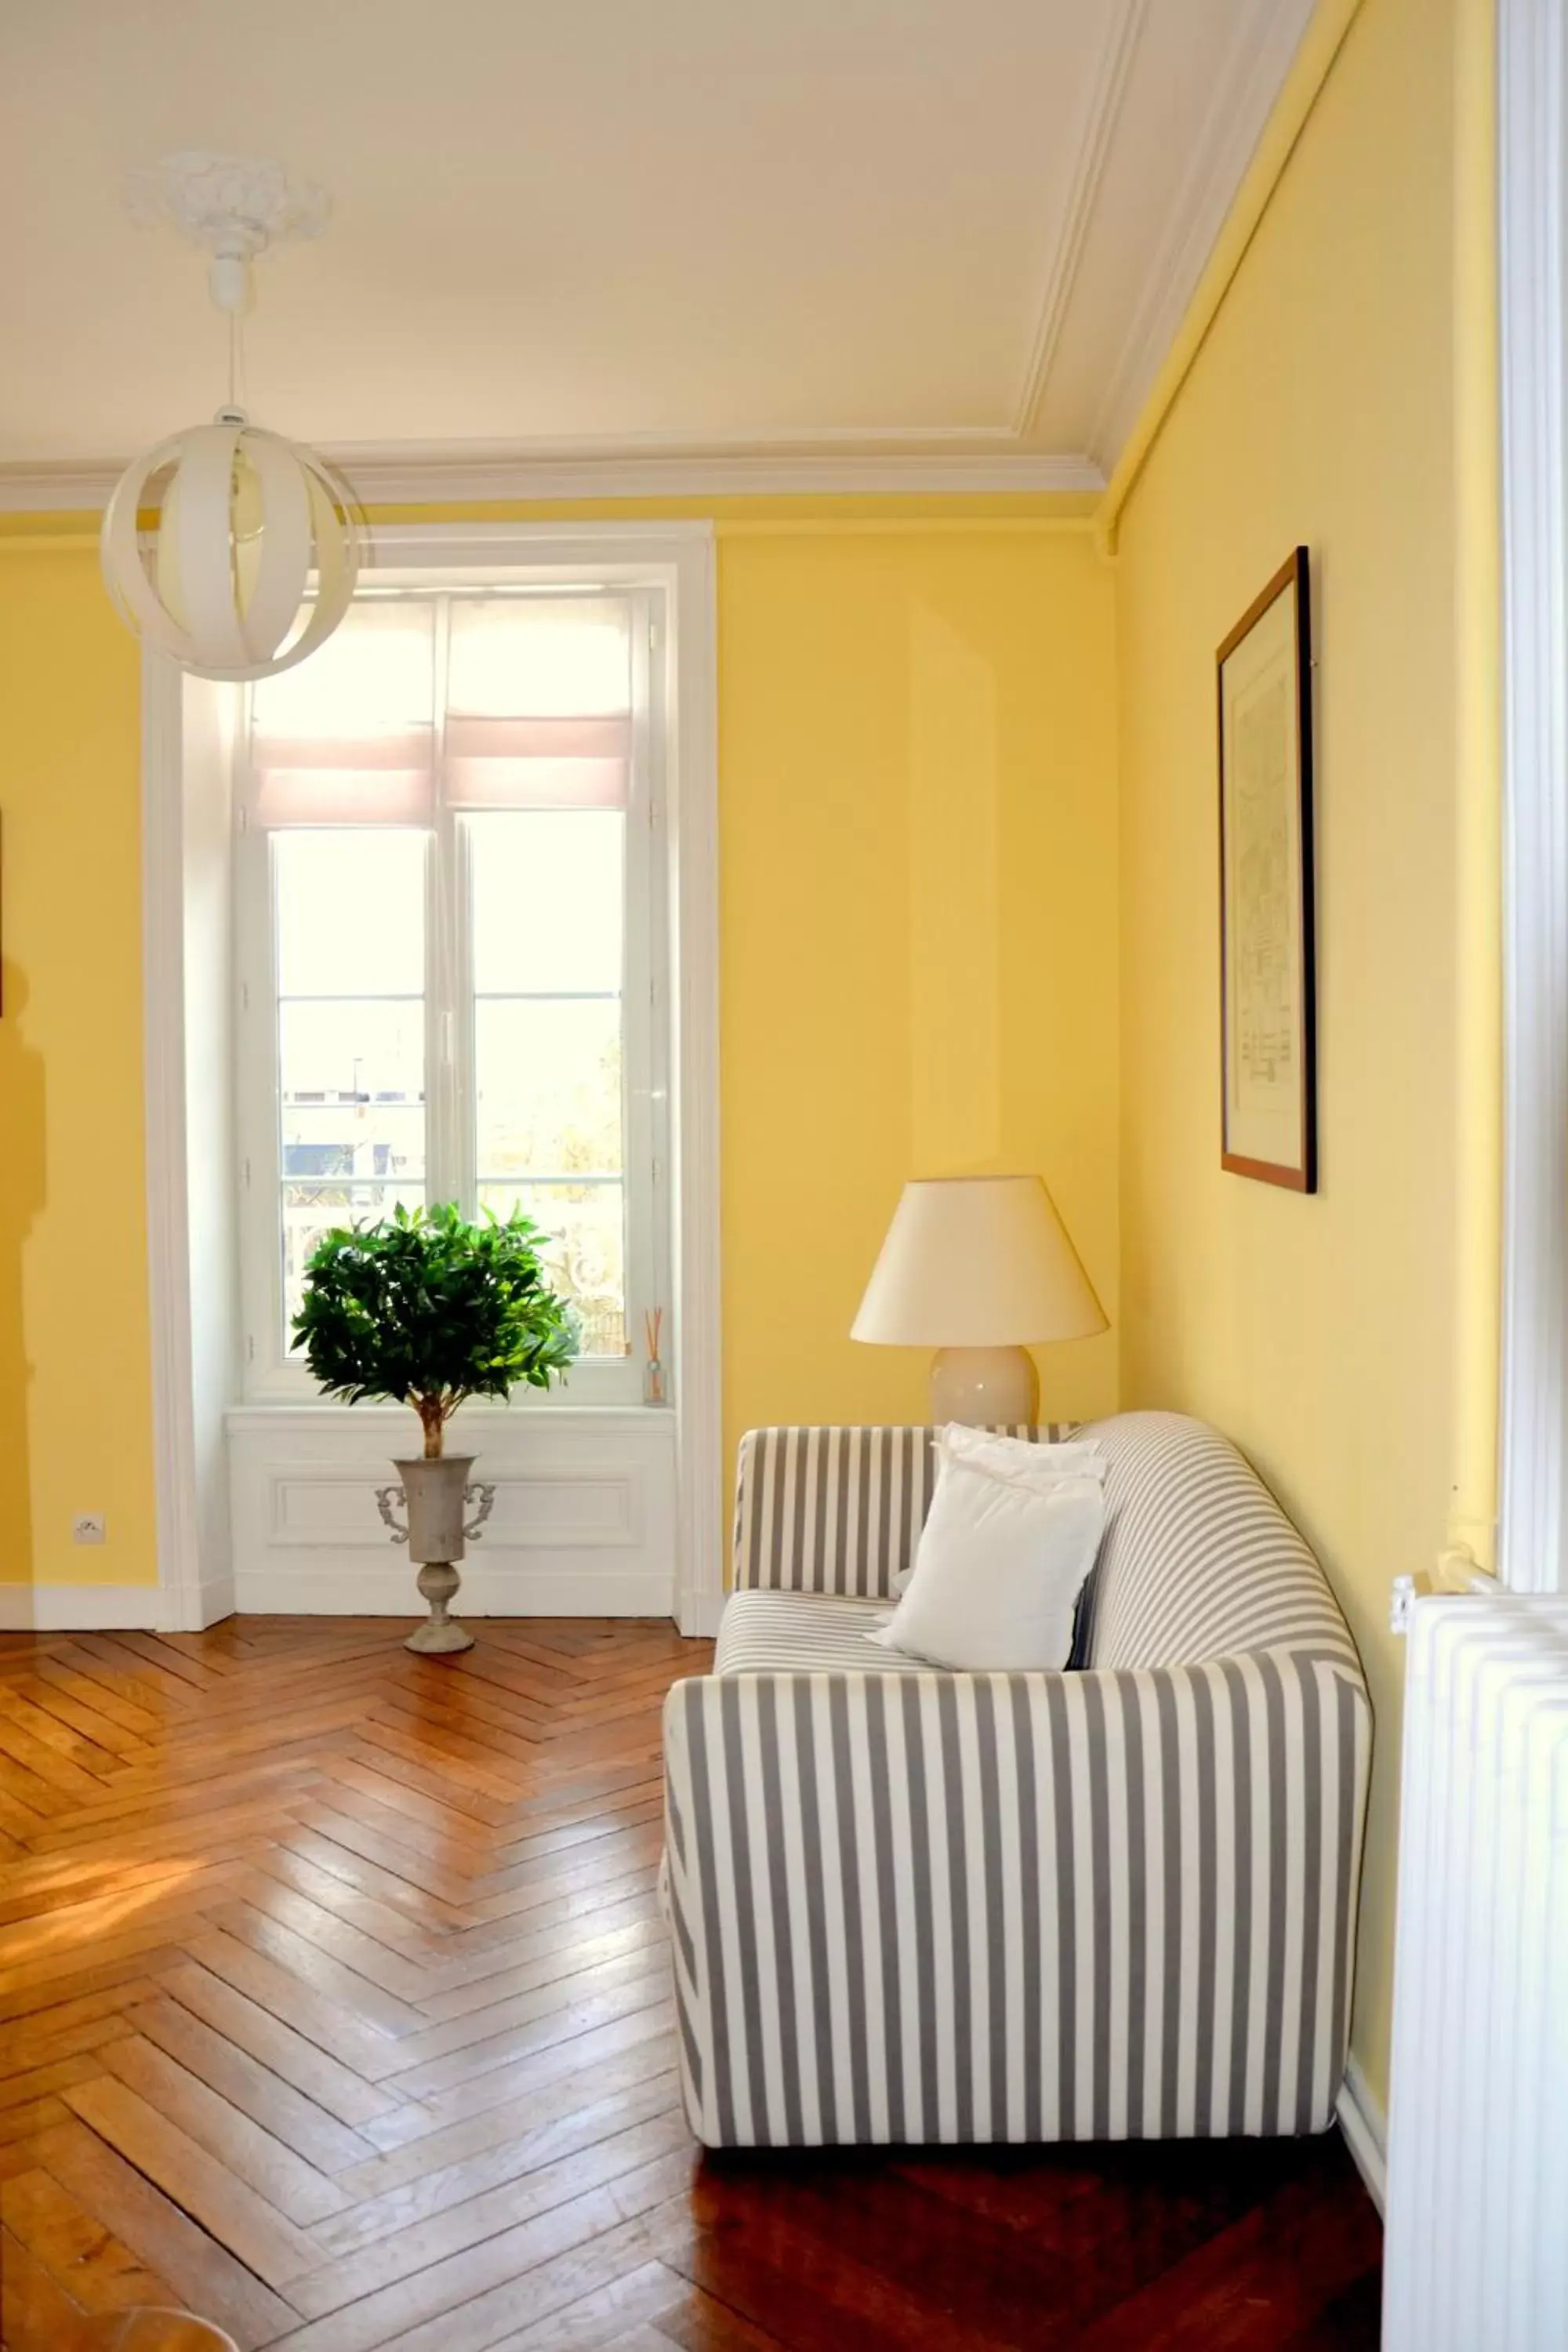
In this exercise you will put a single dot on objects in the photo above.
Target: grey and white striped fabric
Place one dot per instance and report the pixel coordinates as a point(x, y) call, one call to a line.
point(1015, 1906)
point(837, 1510)
point(912, 1906)
point(806, 1632)
point(1198, 1559)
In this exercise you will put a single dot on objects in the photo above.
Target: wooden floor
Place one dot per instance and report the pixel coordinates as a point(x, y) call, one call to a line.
point(334, 2007)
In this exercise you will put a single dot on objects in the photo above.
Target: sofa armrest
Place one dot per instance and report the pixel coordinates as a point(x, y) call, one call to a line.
point(1015, 1906)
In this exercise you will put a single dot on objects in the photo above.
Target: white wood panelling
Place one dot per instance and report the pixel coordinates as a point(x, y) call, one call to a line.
point(191, 1264)
point(694, 933)
point(585, 1521)
point(1533, 1434)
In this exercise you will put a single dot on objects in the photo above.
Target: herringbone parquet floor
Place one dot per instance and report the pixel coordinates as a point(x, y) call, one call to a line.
point(334, 2007)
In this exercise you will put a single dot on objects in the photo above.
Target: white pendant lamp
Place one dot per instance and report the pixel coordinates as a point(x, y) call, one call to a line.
point(211, 539)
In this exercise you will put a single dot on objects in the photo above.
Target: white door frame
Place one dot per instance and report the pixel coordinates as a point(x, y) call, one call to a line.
point(194, 1587)
point(1533, 1402)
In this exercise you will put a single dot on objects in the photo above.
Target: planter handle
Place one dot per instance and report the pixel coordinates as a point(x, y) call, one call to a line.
point(385, 1496)
point(484, 1493)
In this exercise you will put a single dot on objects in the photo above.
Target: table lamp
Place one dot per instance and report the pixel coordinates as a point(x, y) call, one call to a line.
point(976, 1267)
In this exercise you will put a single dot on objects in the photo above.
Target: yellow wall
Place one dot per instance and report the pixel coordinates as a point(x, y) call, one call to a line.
point(919, 969)
point(74, 1378)
point(918, 829)
point(1320, 1333)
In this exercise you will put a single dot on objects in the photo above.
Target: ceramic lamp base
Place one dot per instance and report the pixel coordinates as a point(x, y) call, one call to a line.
point(984, 1386)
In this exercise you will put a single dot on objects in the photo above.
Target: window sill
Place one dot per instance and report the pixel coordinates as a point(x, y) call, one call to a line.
point(475, 1421)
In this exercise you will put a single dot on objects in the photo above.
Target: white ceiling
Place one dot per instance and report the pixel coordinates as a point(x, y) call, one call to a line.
point(870, 228)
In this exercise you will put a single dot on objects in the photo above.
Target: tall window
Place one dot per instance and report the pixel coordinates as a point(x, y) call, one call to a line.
point(450, 947)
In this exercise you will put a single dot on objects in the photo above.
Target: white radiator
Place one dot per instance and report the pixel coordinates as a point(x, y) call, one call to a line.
point(1477, 2245)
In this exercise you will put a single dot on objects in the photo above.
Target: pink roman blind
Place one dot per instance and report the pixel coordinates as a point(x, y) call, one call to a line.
point(349, 738)
point(502, 701)
point(539, 702)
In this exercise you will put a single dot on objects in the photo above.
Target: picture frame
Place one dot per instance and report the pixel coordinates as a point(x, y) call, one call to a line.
point(1267, 943)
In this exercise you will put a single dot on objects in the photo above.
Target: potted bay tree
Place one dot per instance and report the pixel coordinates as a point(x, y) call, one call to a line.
point(428, 1309)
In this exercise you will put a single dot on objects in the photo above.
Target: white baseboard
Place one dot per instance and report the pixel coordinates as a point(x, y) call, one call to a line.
point(484, 1592)
point(83, 1609)
point(209, 1604)
point(698, 1614)
point(1365, 2133)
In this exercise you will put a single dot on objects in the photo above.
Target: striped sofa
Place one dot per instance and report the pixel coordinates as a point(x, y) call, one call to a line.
point(912, 1905)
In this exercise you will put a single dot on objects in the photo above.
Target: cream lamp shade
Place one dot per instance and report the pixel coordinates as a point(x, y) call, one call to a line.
point(976, 1267)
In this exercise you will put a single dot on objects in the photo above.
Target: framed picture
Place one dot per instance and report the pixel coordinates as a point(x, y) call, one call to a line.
point(1266, 967)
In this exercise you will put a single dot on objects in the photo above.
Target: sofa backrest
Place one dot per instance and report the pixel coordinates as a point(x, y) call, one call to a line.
point(836, 1509)
point(1198, 1561)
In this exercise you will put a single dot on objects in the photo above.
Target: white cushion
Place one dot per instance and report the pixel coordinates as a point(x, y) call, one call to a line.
point(988, 1445)
point(1011, 1535)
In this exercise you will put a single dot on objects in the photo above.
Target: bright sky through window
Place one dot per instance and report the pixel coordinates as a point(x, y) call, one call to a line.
point(442, 797)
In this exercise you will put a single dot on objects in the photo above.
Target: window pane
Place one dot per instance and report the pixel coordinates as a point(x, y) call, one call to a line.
point(351, 913)
point(587, 1253)
point(540, 656)
point(364, 1055)
point(362, 1140)
point(375, 672)
point(547, 899)
point(311, 1210)
point(549, 1081)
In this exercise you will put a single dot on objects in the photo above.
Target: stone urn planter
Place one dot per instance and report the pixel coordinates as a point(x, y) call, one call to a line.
point(428, 1309)
point(435, 1493)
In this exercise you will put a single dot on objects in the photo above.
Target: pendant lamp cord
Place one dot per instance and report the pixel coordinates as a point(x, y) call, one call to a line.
point(236, 360)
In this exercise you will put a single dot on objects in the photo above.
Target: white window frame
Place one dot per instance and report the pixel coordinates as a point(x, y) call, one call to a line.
point(270, 1373)
point(1533, 301)
point(191, 1188)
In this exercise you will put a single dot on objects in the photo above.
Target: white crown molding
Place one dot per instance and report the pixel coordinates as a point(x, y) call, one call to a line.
point(56, 489)
point(424, 475)
point(1266, 43)
point(384, 480)
point(1124, 31)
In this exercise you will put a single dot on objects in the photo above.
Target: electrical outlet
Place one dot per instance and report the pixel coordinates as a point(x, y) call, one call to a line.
point(87, 1526)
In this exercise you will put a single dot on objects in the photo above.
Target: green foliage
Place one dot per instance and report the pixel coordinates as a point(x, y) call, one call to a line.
point(426, 1308)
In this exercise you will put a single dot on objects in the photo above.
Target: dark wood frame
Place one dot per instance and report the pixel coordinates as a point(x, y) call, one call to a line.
point(1293, 574)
